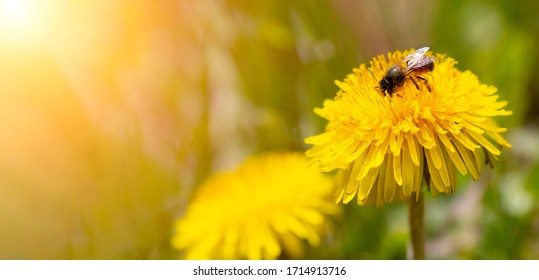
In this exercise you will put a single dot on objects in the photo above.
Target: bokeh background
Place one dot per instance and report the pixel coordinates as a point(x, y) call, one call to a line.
point(112, 112)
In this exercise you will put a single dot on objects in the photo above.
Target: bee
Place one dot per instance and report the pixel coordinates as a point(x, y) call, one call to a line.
point(417, 63)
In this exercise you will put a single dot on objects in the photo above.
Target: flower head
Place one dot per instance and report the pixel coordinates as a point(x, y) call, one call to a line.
point(384, 144)
point(259, 211)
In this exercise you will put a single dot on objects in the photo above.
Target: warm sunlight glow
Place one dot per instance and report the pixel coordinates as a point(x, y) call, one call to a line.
point(23, 22)
point(16, 13)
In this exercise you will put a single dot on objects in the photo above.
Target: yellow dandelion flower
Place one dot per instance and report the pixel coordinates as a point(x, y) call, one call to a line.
point(262, 210)
point(384, 144)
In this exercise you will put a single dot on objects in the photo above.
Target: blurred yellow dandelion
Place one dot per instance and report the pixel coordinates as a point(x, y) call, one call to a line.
point(259, 211)
point(384, 144)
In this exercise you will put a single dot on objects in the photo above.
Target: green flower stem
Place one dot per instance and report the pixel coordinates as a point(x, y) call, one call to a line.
point(417, 226)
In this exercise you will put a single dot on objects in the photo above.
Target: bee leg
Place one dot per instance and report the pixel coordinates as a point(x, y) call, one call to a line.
point(415, 83)
point(425, 82)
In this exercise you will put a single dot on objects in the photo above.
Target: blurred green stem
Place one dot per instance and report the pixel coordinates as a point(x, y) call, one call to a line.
point(417, 226)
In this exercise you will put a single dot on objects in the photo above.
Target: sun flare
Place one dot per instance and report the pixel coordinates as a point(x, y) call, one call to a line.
point(16, 14)
point(24, 22)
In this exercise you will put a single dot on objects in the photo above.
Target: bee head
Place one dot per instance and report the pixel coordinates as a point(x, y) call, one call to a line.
point(394, 78)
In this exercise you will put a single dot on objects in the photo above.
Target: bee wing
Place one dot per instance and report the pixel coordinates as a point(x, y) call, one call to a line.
point(417, 59)
point(418, 63)
point(417, 54)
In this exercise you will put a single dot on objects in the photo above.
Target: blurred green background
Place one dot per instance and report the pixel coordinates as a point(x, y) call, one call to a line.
point(112, 112)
